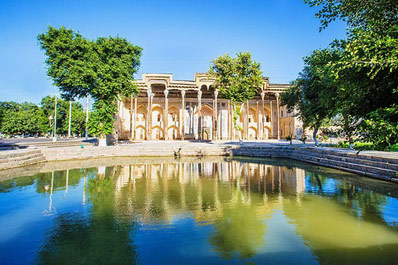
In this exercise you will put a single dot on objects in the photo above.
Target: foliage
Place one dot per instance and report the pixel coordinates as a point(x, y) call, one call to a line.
point(78, 115)
point(382, 127)
point(289, 139)
point(303, 138)
point(314, 92)
point(103, 68)
point(366, 73)
point(375, 15)
point(100, 122)
point(28, 118)
point(25, 118)
point(237, 78)
point(357, 145)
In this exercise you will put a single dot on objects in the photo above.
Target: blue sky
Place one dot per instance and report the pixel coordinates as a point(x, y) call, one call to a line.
point(179, 37)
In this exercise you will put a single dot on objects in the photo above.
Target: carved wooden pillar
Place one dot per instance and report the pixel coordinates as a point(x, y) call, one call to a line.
point(199, 117)
point(278, 112)
point(263, 119)
point(183, 114)
point(271, 120)
point(220, 122)
point(215, 114)
point(166, 115)
point(135, 117)
point(131, 119)
point(246, 131)
point(148, 123)
point(258, 121)
point(229, 120)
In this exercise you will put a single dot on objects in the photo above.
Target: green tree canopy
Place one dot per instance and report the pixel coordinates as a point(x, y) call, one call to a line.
point(314, 92)
point(375, 15)
point(24, 118)
point(367, 70)
point(102, 68)
point(237, 78)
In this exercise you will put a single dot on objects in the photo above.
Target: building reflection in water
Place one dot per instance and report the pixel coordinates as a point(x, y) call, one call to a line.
point(236, 199)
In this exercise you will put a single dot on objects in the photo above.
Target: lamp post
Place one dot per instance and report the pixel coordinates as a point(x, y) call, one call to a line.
point(87, 116)
point(50, 118)
point(55, 120)
point(70, 118)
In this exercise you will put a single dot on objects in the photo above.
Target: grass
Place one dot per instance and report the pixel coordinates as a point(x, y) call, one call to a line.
point(362, 146)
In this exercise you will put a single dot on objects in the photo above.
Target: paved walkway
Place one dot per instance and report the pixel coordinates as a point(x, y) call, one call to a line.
point(265, 143)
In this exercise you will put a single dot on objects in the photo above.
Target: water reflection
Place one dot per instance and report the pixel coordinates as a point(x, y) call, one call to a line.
point(205, 211)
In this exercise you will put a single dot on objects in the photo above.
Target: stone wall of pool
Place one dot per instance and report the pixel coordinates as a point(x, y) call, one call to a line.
point(380, 165)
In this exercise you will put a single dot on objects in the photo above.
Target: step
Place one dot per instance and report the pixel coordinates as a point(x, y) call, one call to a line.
point(387, 165)
point(361, 168)
point(21, 163)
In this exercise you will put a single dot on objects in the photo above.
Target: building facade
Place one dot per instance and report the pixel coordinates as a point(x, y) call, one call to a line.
point(167, 109)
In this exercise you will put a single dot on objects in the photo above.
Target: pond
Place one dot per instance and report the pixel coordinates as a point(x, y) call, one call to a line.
point(195, 211)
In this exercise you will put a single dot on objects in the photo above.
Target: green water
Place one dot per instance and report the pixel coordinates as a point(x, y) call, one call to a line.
point(211, 211)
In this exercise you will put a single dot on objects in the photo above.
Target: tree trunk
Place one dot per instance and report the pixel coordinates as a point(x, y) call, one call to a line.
point(316, 127)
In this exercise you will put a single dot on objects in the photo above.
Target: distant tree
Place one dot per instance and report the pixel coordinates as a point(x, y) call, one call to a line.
point(26, 118)
point(237, 78)
point(6, 106)
point(78, 115)
point(103, 69)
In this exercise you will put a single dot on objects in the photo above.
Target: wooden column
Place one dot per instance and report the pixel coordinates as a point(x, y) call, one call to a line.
point(215, 114)
point(229, 120)
point(258, 121)
point(263, 119)
point(220, 121)
point(131, 119)
point(166, 115)
point(183, 114)
point(199, 117)
point(278, 112)
point(246, 131)
point(271, 120)
point(134, 117)
point(148, 122)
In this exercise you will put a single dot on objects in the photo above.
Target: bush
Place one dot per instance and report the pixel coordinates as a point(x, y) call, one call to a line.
point(381, 127)
point(394, 148)
point(303, 138)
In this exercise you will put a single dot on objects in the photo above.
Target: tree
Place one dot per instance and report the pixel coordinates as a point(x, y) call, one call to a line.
point(6, 106)
point(103, 69)
point(78, 115)
point(237, 78)
point(375, 15)
point(314, 92)
point(367, 71)
point(25, 118)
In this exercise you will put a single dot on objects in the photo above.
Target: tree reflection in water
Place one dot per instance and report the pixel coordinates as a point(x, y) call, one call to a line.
point(239, 230)
point(98, 239)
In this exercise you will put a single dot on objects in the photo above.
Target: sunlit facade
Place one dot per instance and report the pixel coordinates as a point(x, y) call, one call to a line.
point(167, 109)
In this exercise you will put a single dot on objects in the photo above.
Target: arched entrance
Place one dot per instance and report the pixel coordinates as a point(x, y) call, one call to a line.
point(267, 132)
point(173, 132)
point(206, 123)
point(252, 133)
point(157, 133)
point(140, 133)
